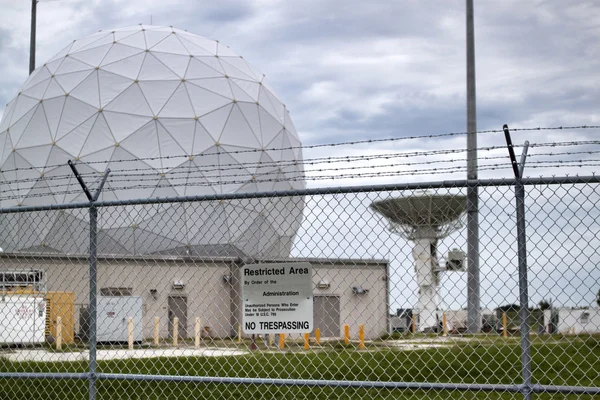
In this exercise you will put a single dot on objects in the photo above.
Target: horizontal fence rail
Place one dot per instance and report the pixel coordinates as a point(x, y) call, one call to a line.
point(316, 191)
point(312, 383)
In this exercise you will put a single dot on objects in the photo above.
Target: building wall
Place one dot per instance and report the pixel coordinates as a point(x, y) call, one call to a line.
point(211, 288)
point(573, 321)
point(206, 292)
point(369, 309)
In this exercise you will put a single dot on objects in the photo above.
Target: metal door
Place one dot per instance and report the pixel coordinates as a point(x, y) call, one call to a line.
point(327, 315)
point(178, 308)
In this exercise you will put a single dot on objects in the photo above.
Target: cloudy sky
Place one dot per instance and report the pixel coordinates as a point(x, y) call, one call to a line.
point(361, 70)
point(354, 70)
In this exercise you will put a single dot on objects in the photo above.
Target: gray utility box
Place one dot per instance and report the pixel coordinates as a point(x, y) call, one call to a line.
point(456, 261)
point(113, 315)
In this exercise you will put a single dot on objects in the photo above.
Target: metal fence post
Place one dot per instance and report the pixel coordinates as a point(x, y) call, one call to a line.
point(473, 289)
point(523, 292)
point(93, 301)
point(93, 272)
point(522, 256)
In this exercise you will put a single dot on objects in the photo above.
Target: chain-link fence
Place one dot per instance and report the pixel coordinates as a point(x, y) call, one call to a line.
point(387, 315)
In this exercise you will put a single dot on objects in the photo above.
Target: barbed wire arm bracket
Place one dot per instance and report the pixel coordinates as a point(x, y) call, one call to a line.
point(84, 186)
point(80, 180)
point(102, 182)
point(517, 167)
point(523, 158)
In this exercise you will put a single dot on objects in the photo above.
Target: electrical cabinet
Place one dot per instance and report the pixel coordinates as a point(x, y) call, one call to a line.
point(22, 319)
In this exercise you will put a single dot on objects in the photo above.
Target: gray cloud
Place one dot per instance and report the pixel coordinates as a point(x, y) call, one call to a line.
point(374, 70)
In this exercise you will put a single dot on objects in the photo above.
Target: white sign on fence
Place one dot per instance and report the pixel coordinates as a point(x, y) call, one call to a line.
point(277, 298)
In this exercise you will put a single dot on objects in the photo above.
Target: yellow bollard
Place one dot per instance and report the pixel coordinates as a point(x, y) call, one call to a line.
point(318, 336)
point(271, 339)
point(175, 330)
point(282, 341)
point(130, 333)
point(156, 330)
point(58, 333)
point(504, 325)
point(197, 342)
point(361, 337)
point(346, 334)
point(444, 325)
point(413, 324)
point(306, 341)
point(239, 333)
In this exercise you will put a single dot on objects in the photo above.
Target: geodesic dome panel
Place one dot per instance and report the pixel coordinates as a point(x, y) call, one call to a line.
point(171, 114)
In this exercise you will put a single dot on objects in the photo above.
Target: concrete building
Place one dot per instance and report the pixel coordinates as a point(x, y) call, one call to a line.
point(346, 291)
point(572, 321)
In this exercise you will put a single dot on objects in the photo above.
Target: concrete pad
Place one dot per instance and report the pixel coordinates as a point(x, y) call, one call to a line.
point(43, 355)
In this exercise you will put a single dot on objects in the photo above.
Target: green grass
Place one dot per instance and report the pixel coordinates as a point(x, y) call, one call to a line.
point(556, 361)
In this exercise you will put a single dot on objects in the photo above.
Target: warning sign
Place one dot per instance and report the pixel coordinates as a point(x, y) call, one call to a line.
point(25, 312)
point(277, 298)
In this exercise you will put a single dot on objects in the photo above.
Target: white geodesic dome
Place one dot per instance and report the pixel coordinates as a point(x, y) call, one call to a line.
point(171, 114)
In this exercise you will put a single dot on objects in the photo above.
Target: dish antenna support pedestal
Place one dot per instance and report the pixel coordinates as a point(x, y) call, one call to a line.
point(424, 219)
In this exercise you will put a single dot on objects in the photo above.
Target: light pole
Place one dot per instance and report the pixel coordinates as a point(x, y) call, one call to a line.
point(473, 300)
point(32, 38)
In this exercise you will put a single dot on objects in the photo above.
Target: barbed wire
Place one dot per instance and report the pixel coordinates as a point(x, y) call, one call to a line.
point(318, 160)
point(283, 164)
point(152, 177)
point(190, 172)
point(348, 159)
point(339, 144)
point(276, 163)
point(110, 187)
point(307, 162)
point(205, 173)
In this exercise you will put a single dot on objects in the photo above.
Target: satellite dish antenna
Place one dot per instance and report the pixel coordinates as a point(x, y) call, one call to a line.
point(424, 219)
